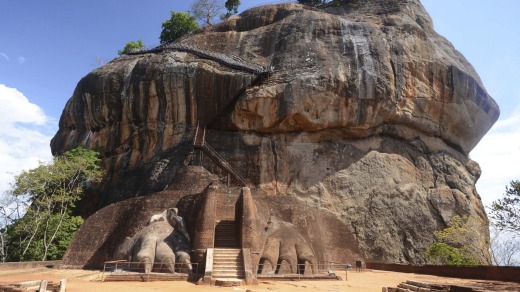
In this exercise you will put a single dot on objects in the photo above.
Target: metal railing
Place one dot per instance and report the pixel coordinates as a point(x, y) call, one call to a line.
point(200, 142)
point(322, 269)
point(231, 61)
point(159, 270)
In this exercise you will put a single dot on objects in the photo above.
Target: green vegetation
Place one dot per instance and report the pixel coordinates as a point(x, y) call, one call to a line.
point(178, 25)
point(444, 254)
point(506, 211)
point(21, 230)
point(232, 8)
point(48, 195)
point(464, 242)
point(131, 47)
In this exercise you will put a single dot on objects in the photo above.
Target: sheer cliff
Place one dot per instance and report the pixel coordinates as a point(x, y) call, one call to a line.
point(367, 114)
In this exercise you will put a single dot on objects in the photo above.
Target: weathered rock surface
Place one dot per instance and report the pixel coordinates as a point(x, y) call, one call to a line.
point(368, 114)
point(113, 231)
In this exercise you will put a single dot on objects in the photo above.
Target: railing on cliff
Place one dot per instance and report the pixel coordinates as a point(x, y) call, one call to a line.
point(200, 143)
point(231, 61)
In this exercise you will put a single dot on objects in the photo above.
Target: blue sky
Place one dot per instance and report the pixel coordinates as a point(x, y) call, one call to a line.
point(46, 47)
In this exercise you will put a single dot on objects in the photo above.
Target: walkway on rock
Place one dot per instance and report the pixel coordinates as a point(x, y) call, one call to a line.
point(231, 61)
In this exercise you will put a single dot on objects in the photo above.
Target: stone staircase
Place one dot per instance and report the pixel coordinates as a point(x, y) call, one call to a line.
point(228, 263)
point(226, 234)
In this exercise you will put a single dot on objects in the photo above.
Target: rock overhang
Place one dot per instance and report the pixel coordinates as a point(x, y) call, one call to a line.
point(352, 67)
point(326, 127)
point(357, 67)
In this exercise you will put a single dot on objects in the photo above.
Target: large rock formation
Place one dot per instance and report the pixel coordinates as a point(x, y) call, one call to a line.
point(368, 114)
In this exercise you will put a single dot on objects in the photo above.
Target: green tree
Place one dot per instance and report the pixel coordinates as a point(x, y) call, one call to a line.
point(21, 229)
point(464, 242)
point(11, 210)
point(132, 47)
point(441, 253)
point(504, 247)
point(178, 25)
point(232, 8)
point(50, 191)
point(506, 211)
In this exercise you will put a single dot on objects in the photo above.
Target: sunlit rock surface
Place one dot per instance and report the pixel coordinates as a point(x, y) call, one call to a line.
point(369, 114)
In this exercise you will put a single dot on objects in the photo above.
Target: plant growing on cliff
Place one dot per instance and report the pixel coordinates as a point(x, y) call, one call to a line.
point(49, 192)
point(464, 242)
point(232, 8)
point(207, 10)
point(506, 211)
point(132, 47)
point(179, 24)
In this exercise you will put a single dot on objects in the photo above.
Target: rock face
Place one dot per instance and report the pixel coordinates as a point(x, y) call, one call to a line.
point(368, 114)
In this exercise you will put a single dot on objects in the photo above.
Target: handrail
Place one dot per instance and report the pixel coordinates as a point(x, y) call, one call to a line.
point(231, 61)
point(224, 164)
point(200, 142)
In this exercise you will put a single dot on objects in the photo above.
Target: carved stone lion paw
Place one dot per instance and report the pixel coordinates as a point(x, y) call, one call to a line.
point(285, 243)
point(159, 245)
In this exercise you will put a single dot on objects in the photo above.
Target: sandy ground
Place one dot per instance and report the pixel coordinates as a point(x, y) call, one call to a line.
point(369, 280)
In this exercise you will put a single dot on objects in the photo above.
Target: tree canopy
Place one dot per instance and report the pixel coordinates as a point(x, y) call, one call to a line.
point(49, 193)
point(179, 24)
point(506, 211)
point(207, 10)
point(463, 242)
point(132, 47)
point(232, 8)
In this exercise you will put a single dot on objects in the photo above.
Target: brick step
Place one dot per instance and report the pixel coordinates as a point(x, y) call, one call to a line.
point(228, 275)
point(231, 274)
point(225, 241)
point(226, 224)
point(226, 245)
point(228, 253)
point(227, 265)
point(228, 256)
point(227, 260)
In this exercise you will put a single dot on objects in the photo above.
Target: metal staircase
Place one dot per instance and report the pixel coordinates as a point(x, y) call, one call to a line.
point(200, 143)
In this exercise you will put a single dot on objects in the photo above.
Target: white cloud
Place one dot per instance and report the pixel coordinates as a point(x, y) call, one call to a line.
point(5, 56)
point(498, 154)
point(23, 143)
point(21, 60)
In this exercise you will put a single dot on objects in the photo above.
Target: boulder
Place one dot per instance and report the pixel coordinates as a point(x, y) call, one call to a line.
point(363, 110)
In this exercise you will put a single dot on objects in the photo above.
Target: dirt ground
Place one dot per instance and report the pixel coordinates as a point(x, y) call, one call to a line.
point(369, 280)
